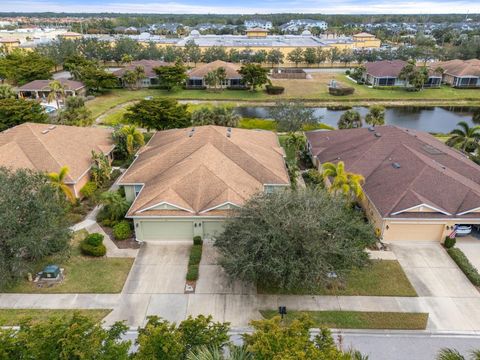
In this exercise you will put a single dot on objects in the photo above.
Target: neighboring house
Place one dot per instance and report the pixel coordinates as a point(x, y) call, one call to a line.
point(233, 80)
point(416, 187)
point(258, 23)
point(150, 79)
point(387, 72)
point(40, 89)
point(460, 73)
point(365, 40)
point(47, 148)
point(184, 182)
point(297, 24)
point(9, 44)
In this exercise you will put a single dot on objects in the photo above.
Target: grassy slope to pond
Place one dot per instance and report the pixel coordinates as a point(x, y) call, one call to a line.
point(358, 319)
point(83, 274)
point(381, 278)
point(13, 317)
point(314, 91)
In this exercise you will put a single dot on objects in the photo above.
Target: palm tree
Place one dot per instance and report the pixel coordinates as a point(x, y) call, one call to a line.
point(296, 142)
point(215, 353)
point(452, 354)
point(115, 205)
point(464, 137)
point(342, 181)
point(133, 138)
point(56, 90)
point(58, 182)
point(376, 115)
point(350, 119)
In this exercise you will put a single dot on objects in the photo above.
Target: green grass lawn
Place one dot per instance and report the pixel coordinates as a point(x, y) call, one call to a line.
point(13, 317)
point(310, 90)
point(358, 319)
point(83, 274)
point(381, 278)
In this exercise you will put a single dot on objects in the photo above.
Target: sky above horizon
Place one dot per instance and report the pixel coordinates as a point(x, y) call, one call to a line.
point(245, 6)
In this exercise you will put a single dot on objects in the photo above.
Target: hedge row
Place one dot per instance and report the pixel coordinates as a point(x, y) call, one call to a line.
point(465, 265)
point(194, 259)
point(274, 90)
point(341, 91)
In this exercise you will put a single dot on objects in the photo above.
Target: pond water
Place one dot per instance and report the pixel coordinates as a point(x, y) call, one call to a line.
point(432, 119)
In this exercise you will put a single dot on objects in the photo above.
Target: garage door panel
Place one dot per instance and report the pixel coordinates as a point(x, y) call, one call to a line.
point(212, 228)
point(166, 230)
point(414, 232)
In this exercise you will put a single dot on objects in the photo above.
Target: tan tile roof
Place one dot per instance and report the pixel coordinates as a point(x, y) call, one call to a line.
point(46, 147)
point(459, 67)
point(202, 70)
point(430, 172)
point(384, 68)
point(148, 66)
point(364, 34)
point(200, 172)
point(44, 85)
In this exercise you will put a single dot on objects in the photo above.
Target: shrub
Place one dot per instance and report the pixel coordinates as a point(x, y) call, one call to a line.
point(197, 240)
point(192, 273)
point(195, 255)
point(462, 261)
point(313, 177)
point(88, 189)
point(449, 242)
point(109, 223)
point(122, 230)
point(274, 90)
point(341, 91)
point(94, 239)
point(90, 250)
point(347, 72)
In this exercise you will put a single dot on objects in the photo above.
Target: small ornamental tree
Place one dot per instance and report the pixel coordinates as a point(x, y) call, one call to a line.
point(254, 75)
point(292, 116)
point(34, 223)
point(350, 119)
point(158, 114)
point(293, 239)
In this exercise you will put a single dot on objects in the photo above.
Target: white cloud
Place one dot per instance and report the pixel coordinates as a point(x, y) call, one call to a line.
point(312, 6)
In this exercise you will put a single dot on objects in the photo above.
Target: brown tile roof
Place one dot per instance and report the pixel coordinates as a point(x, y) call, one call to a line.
point(46, 147)
point(385, 68)
point(430, 172)
point(44, 85)
point(459, 67)
point(148, 66)
point(202, 70)
point(205, 170)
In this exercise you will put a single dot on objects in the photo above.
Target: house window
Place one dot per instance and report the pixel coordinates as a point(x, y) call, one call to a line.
point(137, 189)
point(386, 81)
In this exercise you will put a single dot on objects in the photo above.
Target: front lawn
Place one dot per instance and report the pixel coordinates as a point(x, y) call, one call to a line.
point(13, 317)
point(358, 319)
point(381, 278)
point(83, 274)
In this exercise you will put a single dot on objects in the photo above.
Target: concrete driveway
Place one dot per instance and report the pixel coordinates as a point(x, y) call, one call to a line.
point(431, 270)
point(160, 268)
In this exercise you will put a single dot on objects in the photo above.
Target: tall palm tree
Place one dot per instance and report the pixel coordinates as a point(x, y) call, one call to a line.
point(376, 115)
point(133, 138)
point(58, 181)
point(464, 137)
point(342, 181)
point(57, 90)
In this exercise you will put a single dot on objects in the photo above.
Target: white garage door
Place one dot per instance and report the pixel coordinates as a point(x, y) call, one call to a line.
point(417, 232)
point(212, 228)
point(166, 230)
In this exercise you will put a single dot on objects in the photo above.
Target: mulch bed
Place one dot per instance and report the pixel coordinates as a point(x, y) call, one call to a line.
point(129, 243)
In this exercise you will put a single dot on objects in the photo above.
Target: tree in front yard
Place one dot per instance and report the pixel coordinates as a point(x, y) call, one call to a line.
point(101, 169)
point(342, 181)
point(115, 205)
point(293, 239)
point(171, 77)
point(292, 116)
point(158, 114)
point(61, 338)
point(33, 222)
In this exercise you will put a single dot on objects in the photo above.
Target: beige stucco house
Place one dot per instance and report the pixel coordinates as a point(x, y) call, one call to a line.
point(184, 182)
point(47, 148)
point(416, 188)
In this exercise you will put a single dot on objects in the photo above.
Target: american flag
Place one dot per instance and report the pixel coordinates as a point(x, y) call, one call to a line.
point(453, 233)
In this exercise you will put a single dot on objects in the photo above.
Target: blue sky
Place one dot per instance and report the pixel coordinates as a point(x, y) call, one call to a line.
point(246, 6)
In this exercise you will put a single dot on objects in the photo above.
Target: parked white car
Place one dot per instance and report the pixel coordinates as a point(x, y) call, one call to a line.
point(463, 230)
